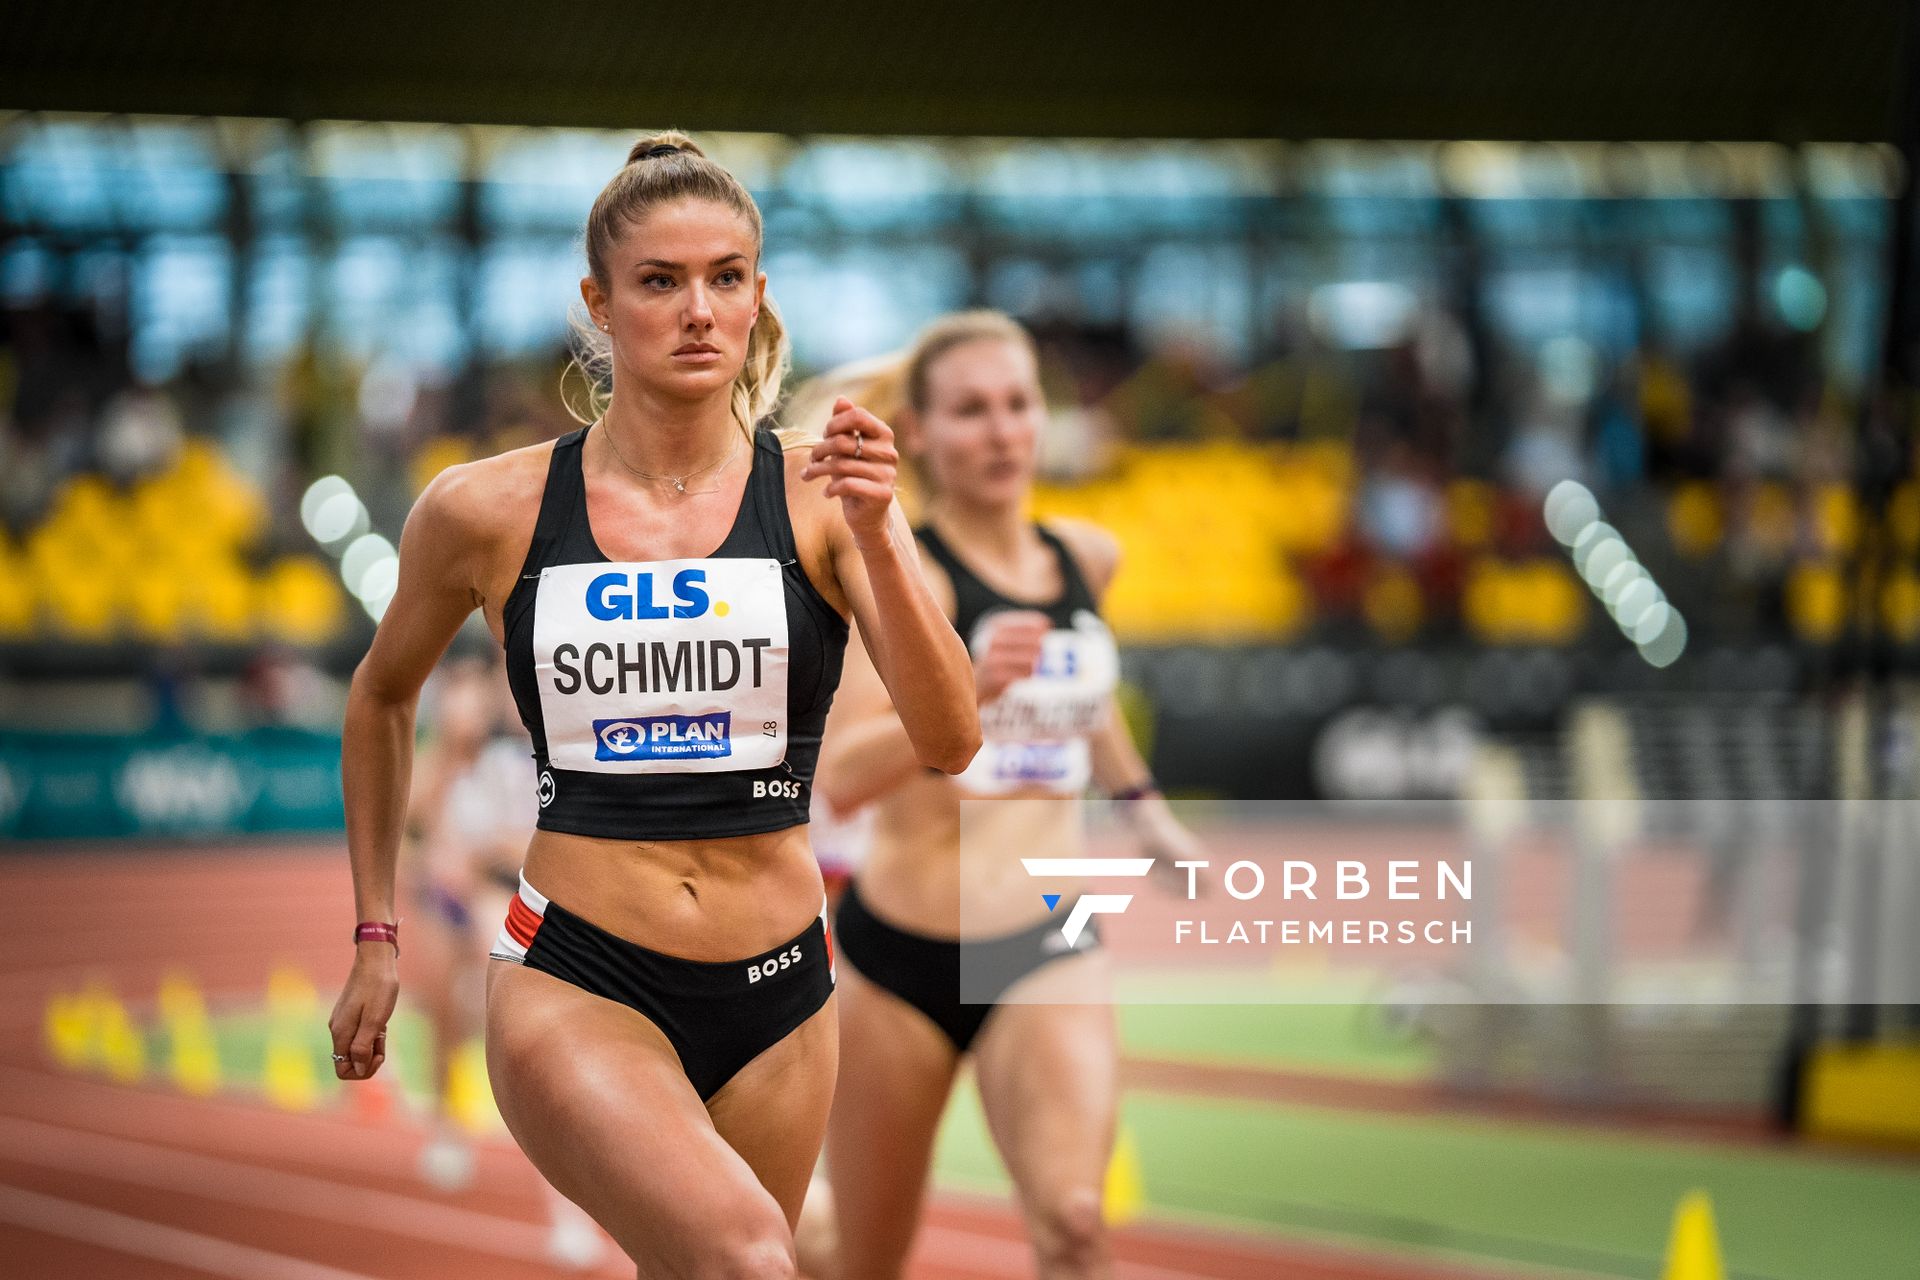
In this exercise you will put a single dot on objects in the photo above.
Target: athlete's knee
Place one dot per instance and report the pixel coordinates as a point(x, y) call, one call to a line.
point(1069, 1232)
point(754, 1255)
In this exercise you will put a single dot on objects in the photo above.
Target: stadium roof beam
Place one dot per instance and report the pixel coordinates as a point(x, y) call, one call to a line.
point(1724, 70)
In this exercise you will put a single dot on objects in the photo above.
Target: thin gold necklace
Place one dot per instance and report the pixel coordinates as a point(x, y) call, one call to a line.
point(679, 483)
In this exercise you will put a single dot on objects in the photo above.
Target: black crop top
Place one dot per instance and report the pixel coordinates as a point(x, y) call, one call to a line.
point(1035, 734)
point(671, 699)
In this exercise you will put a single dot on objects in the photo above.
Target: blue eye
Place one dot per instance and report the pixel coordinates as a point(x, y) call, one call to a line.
point(729, 277)
point(657, 280)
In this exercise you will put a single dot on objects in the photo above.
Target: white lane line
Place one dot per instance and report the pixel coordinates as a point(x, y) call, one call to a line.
point(229, 1181)
point(50, 1215)
point(124, 1160)
point(246, 1130)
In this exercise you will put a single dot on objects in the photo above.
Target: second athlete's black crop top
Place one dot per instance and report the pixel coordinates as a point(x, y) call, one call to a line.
point(1035, 735)
point(671, 699)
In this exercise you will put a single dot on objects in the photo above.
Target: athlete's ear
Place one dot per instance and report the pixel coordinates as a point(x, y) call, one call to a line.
point(759, 295)
point(596, 299)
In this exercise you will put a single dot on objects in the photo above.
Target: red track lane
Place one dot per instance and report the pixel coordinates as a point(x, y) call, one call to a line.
point(138, 1183)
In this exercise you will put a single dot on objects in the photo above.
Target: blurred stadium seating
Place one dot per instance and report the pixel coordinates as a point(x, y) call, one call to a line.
point(165, 559)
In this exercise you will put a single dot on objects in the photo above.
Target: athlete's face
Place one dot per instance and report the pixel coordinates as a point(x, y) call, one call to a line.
point(980, 430)
point(680, 299)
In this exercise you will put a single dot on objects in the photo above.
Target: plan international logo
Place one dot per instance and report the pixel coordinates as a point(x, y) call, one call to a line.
point(706, 737)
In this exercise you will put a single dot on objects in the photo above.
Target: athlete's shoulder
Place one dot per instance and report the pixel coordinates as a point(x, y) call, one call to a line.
point(486, 495)
point(1095, 550)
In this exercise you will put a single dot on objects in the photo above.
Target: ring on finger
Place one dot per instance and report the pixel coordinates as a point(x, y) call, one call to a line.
point(857, 438)
point(339, 1057)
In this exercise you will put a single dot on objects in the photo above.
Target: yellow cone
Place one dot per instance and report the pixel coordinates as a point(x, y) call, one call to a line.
point(72, 1031)
point(1693, 1250)
point(121, 1046)
point(293, 1011)
point(193, 1059)
point(469, 1095)
point(1125, 1194)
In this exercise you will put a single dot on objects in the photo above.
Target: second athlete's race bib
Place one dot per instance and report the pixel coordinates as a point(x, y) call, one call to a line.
point(1035, 733)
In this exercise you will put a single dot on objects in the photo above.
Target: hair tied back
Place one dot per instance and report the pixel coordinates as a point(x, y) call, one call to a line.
point(662, 149)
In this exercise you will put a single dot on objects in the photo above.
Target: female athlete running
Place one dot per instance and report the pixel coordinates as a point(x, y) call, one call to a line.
point(1027, 598)
point(672, 591)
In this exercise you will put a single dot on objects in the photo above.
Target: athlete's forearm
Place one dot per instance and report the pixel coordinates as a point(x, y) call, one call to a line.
point(1117, 763)
point(920, 657)
point(376, 765)
point(862, 762)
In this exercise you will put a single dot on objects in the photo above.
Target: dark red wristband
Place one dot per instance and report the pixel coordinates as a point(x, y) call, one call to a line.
point(377, 931)
point(1138, 791)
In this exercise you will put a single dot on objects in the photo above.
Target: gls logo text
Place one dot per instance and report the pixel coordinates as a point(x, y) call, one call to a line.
point(622, 597)
point(1088, 905)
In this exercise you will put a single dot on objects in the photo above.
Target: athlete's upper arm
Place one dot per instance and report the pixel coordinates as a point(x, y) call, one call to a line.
point(1097, 551)
point(443, 550)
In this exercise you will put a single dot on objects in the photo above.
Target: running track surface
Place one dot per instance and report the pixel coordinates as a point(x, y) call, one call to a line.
point(139, 1183)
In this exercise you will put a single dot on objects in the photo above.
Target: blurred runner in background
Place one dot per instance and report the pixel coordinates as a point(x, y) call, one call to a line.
point(469, 818)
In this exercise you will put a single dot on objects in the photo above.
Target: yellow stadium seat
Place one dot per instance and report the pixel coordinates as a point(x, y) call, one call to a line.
point(1836, 519)
point(1392, 605)
point(1816, 602)
point(1693, 519)
point(1470, 509)
point(299, 600)
point(1485, 602)
point(79, 603)
point(198, 458)
point(1556, 602)
point(1903, 518)
point(156, 604)
point(1900, 605)
point(219, 601)
point(84, 498)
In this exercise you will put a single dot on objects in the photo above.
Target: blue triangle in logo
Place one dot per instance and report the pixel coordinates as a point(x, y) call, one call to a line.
point(1051, 899)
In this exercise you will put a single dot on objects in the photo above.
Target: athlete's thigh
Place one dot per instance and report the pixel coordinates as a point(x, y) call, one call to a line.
point(896, 1070)
point(774, 1111)
point(594, 1094)
point(1049, 1080)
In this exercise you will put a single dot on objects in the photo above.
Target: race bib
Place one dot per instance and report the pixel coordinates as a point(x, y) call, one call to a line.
point(662, 666)
point(1035, 733)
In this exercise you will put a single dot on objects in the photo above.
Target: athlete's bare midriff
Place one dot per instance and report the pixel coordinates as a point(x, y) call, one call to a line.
point(710, 899)
point(947, 865)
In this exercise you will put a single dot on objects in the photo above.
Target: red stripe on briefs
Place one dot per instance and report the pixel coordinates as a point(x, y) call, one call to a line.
point(828, 928)
point(522, 921)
